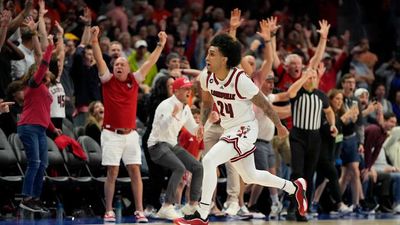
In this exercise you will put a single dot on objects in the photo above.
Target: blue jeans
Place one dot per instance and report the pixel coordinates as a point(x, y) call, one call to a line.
point(396, 186)
point(35, 144)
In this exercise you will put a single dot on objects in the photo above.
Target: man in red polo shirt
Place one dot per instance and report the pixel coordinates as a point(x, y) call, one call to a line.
point(119, 138)
point(290, 71)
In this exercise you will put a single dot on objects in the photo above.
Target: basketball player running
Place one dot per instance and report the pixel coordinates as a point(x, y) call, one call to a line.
point(234, 93)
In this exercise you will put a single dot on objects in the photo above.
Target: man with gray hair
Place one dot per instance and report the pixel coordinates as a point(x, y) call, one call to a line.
point(367, 106)
point(290, 71)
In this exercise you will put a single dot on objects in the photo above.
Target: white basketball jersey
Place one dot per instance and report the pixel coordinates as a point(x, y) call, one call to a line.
point(231, 96)
point(57, 108)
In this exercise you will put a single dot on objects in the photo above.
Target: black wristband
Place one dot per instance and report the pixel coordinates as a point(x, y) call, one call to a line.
point(45, 63)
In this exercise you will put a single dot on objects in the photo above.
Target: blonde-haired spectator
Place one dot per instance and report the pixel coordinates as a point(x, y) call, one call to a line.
point(94, 122)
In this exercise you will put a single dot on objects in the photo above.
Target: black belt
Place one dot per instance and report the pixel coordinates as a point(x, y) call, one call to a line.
point(349, 136)
point(261, 140)
point(120, 130)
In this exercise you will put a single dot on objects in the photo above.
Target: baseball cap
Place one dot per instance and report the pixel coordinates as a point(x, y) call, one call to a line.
point(180, 44)
point(270, 77)
point(140, 43)
point(360, 91)
point(181, 83)
point(356, 50)
point(101, 18)
point(71, 36)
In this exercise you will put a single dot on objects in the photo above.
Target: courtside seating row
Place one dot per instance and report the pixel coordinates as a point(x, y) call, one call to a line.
point(63, 167)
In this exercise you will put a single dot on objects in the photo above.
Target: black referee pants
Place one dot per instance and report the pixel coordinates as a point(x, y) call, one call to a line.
point(326, 167)
point(305, 149)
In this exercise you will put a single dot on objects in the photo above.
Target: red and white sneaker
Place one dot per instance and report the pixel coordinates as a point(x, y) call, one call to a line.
point(109, 216)
point(140, 217)
point(194, 219)
point(300, 194)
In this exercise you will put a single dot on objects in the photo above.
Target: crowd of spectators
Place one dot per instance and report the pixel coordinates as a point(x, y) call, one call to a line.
point(362, 57)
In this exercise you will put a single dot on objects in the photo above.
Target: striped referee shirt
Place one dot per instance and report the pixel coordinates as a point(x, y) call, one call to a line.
point(307, 109)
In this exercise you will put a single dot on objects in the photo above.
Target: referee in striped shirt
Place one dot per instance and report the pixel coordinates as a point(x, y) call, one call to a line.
point(307, 105)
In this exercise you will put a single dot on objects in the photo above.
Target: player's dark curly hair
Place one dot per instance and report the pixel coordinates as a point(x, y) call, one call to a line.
point(229, 47)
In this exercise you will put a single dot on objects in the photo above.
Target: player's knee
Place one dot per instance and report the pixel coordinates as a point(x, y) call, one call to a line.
point(248, 178)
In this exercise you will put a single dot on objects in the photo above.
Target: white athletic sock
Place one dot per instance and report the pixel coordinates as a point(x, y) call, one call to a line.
point(289, 187)
point(274, 198)
point(204, 210)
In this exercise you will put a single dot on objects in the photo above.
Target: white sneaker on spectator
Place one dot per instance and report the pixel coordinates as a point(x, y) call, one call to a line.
point(276, 209)
point(232, 208)
point(168, 212)
point(109, 216)
point(396, 208)
point(255, 213)
point(188, 209)
point(244, 211)
point(140, 217)
point(150, 212)
point(344, 209)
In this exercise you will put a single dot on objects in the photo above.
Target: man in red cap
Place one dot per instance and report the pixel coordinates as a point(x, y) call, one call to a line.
point(171, 115)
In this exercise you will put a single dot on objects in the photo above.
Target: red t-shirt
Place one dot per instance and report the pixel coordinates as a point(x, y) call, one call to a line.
point(284, 82)
point(328, 80)
point(284, 79)
point(38, 99)
point(190, 142)
point(160, 14)
point(120, 102)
